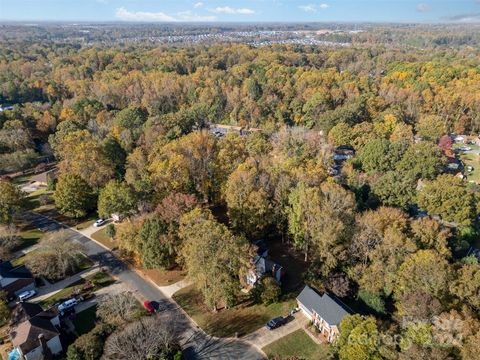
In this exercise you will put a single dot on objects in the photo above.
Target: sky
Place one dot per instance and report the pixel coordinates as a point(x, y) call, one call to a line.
point(462, 11)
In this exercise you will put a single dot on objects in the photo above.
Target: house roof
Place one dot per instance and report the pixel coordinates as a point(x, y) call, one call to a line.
point(327, 306)
point(27, 310)
point(8, 271)
point(263, 266)
point(44, 176)
point(25, 335)
point(29, 321)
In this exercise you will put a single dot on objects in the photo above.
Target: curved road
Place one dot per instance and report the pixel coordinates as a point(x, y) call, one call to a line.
point(197, 344)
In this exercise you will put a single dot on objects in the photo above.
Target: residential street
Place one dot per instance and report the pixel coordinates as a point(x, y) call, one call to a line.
point(197, 344)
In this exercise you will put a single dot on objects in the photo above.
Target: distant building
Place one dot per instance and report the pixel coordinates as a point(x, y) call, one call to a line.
point(35, 333)
point(43, 178)
point(15, 280)
point(263, 267)
point(221, 130)
point(325, 311)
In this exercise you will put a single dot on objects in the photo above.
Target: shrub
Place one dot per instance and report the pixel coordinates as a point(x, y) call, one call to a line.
point(373, 301)
point(110, 231)
point(271, 290)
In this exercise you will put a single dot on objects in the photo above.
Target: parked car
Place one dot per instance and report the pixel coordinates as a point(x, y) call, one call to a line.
point(26, 295)
point(99, 222)
point(151, 306)
point(67, 305)
point(275, 323)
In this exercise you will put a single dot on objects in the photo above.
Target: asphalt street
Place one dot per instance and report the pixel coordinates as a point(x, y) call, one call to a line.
point(196, 343)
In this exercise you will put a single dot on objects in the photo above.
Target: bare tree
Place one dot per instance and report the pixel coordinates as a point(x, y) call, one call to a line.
point(57, 255)
point(144, 339)
point(9, 239)
point(118, 309)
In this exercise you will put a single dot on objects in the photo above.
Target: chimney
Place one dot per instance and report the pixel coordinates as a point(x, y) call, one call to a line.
point(47, 354)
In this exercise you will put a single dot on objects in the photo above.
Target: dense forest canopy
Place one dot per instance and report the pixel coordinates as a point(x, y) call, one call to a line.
point(128, 120)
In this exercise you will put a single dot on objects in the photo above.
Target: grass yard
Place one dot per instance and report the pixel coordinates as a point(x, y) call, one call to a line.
point(99, 280)
point(164, 277)
point(240, 320)
point(102, 238)
point(63, 294)
point(297, 344)
point(33, 200)
point(85, 320)
point(470, 158)
point(87, 223)
point(23, 259)
point(29, 237)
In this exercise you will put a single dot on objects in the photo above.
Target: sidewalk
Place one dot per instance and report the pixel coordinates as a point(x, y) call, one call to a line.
point(50, 290)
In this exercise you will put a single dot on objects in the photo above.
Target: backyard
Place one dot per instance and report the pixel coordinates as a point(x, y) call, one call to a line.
point(299, 345)
point(85, 320)
point(239, 320)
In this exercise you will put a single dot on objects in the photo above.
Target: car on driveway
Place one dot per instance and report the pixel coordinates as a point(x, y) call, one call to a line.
point(99, 222)
point(275, 323)
point(26, 295)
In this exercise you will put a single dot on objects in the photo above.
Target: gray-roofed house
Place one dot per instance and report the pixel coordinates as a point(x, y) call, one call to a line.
point(15, 280)
point(263, 267)
point(325, 311)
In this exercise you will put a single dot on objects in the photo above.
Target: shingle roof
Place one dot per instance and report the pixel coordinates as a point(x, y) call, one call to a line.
point(327, 306)
point(8, 271)
point(25, 335)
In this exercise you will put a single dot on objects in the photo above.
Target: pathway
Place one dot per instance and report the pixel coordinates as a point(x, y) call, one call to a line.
point(46, 291)
point(263, 337)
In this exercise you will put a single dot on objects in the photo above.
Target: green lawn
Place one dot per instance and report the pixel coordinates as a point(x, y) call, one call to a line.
point(101, 237)
point(240, 320)
point(29, 237)
point(33, 200)
point(85, 320)
point(99, 280)
point(63, 294)
point(297, 344)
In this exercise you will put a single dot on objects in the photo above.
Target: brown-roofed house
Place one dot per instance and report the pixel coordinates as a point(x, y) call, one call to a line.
point(34, 332)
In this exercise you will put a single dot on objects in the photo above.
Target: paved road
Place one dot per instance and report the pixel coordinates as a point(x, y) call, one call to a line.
point(196, 343)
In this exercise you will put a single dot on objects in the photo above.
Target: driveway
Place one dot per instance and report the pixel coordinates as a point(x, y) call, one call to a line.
point(263, 337)
point(196, 343)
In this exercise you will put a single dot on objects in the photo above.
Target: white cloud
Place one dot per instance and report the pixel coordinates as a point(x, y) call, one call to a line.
point(124, 14)
point(231, 11)
point(308, 8)
point(198, 5)
point(313, 8)
point(189, 16)
point(422, 7)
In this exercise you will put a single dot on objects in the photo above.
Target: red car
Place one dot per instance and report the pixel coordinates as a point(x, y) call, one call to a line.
point(151, 306)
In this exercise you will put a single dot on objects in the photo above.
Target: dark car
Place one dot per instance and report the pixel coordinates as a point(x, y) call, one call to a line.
point(275, 323)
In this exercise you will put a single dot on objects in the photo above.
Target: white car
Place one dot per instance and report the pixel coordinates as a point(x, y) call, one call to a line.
point(67, 305)
point(26, 295)
point(99, 222)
